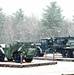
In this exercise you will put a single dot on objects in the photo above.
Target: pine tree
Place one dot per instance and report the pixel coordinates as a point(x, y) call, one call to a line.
point(52, 19)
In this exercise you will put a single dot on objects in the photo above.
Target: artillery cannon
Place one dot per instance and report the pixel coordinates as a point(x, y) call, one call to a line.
point(63, 45)
point(16, 51)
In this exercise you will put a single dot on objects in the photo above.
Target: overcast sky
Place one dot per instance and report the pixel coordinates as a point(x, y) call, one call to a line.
point(36, 6)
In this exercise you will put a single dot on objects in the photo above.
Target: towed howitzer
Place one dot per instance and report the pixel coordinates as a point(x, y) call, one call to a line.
point(16, 50)
point(64, 45)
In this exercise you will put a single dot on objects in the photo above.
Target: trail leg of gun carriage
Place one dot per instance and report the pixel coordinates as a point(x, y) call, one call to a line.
point(19, 51)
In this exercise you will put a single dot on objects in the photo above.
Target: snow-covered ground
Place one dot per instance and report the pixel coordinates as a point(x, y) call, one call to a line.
point(58, 69)
point(56, 55)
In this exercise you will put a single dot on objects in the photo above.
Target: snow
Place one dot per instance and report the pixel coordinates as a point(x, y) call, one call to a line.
point(58, 69)
point(56, 55)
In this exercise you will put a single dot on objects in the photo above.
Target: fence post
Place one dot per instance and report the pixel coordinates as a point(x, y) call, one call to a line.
point(21, 58)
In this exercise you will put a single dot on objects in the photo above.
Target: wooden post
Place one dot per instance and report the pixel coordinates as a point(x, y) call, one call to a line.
point(53, 55)
point(21, 57)
point(45, 53)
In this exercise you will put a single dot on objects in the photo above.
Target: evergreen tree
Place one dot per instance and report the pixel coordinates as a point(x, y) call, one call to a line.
point(52, 19)
point(2, 22)
point(18, 21)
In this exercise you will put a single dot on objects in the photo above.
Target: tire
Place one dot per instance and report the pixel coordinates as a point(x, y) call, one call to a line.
point(69, 54)
point(27, 59)
point(16, 57)
point(39, 54)
point(2, 56)
point(10, 59)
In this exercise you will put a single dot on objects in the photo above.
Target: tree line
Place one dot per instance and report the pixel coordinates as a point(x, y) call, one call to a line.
point(19, 27)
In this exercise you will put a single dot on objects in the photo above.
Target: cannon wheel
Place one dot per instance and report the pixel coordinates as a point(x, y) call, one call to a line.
point(69, 54)
point(2, 56)
point(27, 59)
point(10, 59)
point(38, 52)
point(16, 57)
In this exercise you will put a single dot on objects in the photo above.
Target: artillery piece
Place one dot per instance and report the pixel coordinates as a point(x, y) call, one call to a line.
point(64, 45)
point(17, 51)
